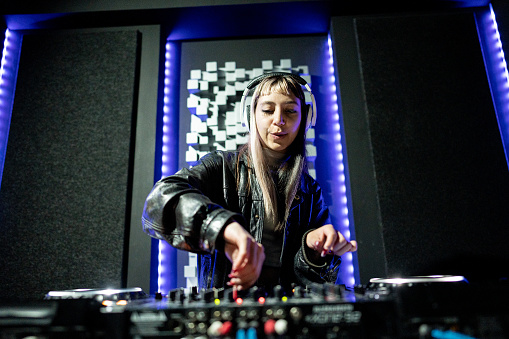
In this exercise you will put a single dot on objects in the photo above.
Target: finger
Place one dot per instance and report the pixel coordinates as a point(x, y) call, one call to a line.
point(330, 240)
point(350, 246)
point(242, 282)
point(315, 240)
point(240, 259)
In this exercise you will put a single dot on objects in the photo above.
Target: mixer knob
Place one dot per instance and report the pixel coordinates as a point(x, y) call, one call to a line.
point(207, 295)
point(218, 293)
point(281, 326)
point(227, 315)
point(226, 328)
point(269, 327)
point(252, 314)
point(251, 333)
point(232, 295)
point(296, 313)
point(201, 328)
point(194, 293)
point(241, 330)
point(201, 316)
point(241, 334)
point(255, 292)
point(173, 295)
point(214, 329)
point(279, 292)
point(298, 292)
point(279, 313)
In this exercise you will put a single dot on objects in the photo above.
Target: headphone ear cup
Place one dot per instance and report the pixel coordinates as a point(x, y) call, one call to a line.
point(248, 116)
point(309, 116)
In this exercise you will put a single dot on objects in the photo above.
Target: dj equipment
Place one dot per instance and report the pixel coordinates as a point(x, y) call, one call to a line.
point(415, 307)
point(246, 109)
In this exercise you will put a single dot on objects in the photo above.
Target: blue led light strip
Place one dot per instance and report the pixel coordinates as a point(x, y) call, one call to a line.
point(8, 73)
point(166, 270)
point(496, 69)
point(347, 270)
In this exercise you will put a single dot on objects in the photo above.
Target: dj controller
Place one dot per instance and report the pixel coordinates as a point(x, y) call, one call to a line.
point(414, 307)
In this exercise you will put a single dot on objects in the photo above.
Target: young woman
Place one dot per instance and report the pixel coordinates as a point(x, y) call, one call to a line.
point(256, 215)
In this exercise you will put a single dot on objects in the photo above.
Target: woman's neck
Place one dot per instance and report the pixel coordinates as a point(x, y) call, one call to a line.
point(274, 159)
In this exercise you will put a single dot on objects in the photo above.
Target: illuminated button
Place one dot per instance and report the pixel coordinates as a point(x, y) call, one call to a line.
point(107, 303)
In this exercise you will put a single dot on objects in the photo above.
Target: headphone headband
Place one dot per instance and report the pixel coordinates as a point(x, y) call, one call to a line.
point(253, 83)
point(311, 114)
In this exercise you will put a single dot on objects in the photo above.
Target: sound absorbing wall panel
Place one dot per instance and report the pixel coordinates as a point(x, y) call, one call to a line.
point(65, 193)
point(426, 138)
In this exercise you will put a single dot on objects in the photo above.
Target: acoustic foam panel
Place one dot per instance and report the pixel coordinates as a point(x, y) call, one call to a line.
point(440, 169)
point(65, 187)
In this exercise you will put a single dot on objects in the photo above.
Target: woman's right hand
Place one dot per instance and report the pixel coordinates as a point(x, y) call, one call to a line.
point(246, 255)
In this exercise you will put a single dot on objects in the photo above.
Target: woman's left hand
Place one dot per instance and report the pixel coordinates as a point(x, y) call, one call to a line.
point(326, 240)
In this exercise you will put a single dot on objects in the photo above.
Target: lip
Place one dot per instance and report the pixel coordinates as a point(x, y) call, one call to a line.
point(278, 135)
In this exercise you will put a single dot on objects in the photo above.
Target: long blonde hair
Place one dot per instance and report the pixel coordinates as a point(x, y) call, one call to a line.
point(290, 171)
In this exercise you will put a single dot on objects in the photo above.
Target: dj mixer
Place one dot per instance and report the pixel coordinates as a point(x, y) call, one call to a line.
point(414, 307)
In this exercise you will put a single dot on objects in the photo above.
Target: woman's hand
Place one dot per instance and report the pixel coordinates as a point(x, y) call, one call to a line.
point(246, 255)
point(326, 240)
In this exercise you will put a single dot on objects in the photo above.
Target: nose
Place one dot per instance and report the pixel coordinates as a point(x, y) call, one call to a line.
point(278, 118)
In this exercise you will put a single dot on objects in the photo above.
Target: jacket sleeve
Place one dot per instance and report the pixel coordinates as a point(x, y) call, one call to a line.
point(186, 209)
point(311, 271)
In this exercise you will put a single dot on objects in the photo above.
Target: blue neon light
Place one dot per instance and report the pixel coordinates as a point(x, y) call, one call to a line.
point(347, 271)
point(167, 268)
point(8, 74)
point(496, 69)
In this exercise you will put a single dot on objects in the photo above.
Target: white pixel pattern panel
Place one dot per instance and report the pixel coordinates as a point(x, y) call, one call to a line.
point(214, 105)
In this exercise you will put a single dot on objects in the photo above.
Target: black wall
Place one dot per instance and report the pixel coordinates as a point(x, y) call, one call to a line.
point(66, 186)
point(428, 172)
point(428, 186)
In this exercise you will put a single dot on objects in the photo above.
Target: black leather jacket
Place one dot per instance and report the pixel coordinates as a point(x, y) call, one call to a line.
point(190, 209)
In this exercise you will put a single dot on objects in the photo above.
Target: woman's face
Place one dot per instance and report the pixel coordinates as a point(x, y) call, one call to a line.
point(278, 118)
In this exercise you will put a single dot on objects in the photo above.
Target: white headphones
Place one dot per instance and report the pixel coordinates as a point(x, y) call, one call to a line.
point(245, 111)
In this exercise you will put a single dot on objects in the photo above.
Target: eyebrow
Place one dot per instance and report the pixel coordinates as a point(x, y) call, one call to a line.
point(273, 103)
